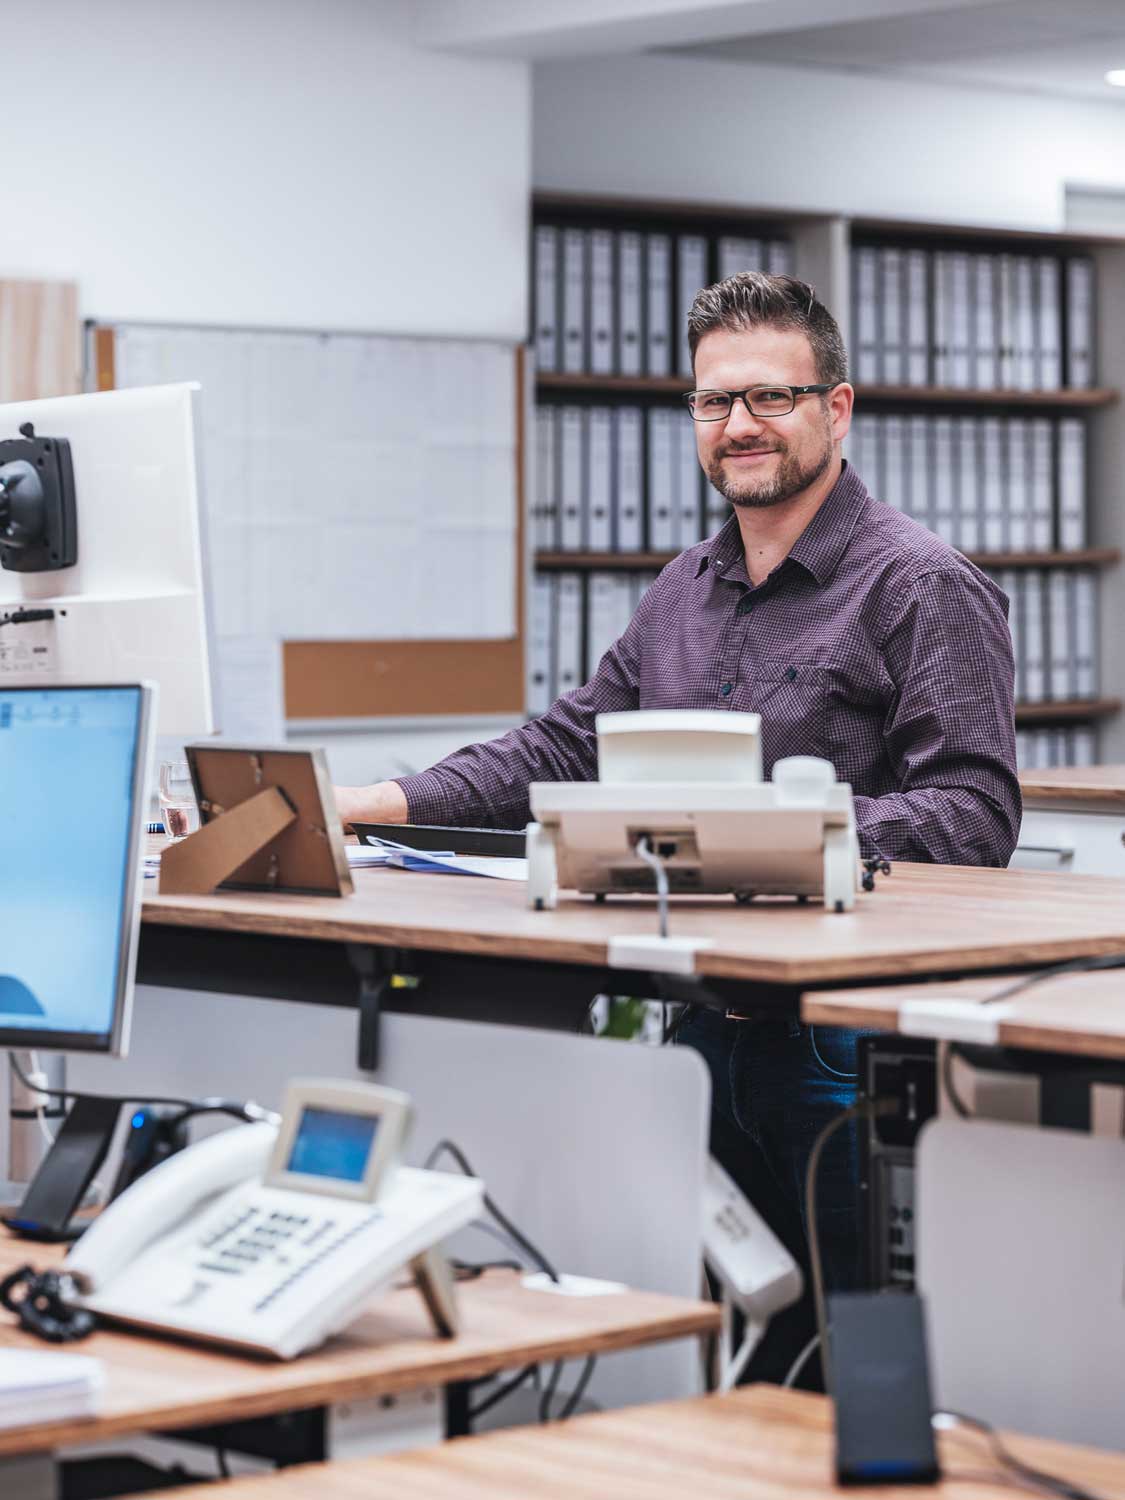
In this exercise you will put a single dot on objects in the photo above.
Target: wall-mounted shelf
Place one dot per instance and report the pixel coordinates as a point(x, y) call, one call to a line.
point(923, 395)
point(904, 395)
point(1070, 712)
point(645, 562)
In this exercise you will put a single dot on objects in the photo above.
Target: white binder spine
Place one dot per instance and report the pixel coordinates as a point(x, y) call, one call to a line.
point(892, 371)
point(969, 485)
point(739, 253)
point(1034, 635)
point(658, 304)
point(628, 509)
point(574, 325)
point(689, 487)
point(917, 318)
point(894, 462)
point(601, 618)
point(866, 302)
point(573, 493)
point(569, 637)
point(779, 257)
point(1017, 485)
point(867, 428)
point(546, 297)
point(602, 300)
point(1072, 483)
point(985, 373)
point(630, 304)
point(1005, 322)
point(992, 477)
point(1059, 686)
point(599, 531)
point(545, 514)
point(1080, 322)
point(662, 519)
point(1041, 466)
point(691, 277)
point(541, 647)
point(920, 503)
point(945, 482)
point(1085, 588)
point(1024, 282)
point(1009, 581)
point(961, 321)
point(1048, 323)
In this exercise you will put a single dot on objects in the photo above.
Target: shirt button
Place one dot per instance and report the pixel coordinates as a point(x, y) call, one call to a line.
point(726, 689)
point(745, 604)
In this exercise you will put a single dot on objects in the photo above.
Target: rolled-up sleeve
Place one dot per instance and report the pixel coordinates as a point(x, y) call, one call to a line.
point(950, 727)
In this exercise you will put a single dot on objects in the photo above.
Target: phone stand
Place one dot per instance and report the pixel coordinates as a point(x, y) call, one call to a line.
point(267, 822)
point(60, 1184)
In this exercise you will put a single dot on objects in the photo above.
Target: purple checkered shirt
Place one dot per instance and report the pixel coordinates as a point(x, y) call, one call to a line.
point(874, 644)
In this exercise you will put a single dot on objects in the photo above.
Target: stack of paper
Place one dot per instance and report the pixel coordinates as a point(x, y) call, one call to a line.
point(403, 857)
point(40, 1386)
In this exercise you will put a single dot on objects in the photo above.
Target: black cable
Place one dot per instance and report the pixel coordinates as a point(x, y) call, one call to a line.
point(469, 1270)
point(871, 1108)
point(579, 1390)
point(505, 1390)
point(1038, 1478)
point(1072, 966)
point(549, 1391)
point(221, 1458)
point(249, 1112)
point(452, 1149)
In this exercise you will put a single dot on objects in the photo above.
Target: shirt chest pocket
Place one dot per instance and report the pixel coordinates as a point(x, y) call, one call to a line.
point(792, 702)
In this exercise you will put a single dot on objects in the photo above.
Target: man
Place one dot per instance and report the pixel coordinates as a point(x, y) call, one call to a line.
point(856, 634)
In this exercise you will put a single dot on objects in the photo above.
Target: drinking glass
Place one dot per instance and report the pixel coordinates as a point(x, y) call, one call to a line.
point(177, 799)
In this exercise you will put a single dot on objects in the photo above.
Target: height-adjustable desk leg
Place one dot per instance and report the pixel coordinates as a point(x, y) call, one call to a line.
point(375, 967)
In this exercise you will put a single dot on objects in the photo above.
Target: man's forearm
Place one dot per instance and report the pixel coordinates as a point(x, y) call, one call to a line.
point(382, 802)
point(940, 825)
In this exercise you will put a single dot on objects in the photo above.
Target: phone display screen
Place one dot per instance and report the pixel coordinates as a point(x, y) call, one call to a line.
point(333, 1143)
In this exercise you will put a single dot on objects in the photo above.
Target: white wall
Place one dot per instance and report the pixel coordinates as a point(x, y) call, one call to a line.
point(845, 142)
point(266, 162)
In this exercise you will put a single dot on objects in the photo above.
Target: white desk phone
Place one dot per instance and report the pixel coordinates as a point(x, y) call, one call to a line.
point(689, 782)
point(271, 1238)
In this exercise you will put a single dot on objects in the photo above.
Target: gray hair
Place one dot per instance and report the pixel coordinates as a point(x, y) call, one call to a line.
point(754, 299)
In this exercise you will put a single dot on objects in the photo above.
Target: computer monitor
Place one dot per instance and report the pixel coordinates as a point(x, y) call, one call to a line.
point(73, 771)
point(131, 606)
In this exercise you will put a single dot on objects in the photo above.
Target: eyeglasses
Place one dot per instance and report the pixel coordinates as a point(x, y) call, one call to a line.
point(761, 400)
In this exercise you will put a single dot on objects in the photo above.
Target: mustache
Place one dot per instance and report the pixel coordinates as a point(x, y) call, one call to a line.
point(750, 448)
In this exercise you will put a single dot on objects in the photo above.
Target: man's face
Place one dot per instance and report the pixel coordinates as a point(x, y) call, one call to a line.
point(757, 461)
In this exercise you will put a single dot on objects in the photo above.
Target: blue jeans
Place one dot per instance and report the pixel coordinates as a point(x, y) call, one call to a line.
point(775, 1085)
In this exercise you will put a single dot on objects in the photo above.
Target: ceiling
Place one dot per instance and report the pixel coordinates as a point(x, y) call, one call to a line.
point(1057, 47)
point(1041, 46)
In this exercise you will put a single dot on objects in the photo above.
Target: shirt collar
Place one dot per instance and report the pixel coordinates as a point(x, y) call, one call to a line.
point(820, 546)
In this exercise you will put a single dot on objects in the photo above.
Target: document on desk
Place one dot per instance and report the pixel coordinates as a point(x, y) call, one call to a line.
point(39, 1385)
point(403, 857)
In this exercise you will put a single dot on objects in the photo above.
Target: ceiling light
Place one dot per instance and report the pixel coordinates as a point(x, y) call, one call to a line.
point(1116, 76)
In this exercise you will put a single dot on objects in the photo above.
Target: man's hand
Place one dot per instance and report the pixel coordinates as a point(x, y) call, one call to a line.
point(384, 802)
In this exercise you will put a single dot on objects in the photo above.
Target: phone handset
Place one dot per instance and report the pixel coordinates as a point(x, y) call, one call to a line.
point(156, 1203)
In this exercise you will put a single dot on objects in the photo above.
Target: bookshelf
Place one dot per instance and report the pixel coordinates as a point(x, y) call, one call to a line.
point(823, 249)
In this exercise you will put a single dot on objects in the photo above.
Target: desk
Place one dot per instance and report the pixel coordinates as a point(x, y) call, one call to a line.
point(1080, 1015)
point(1074, 820)
point(156, 1383)
point(479, 952)
point(753, 1444)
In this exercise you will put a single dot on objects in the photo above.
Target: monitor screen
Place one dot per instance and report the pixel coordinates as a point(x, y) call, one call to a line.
point(70, 776)
point(333, 1143)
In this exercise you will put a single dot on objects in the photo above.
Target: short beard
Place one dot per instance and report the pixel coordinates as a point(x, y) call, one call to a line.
point(791, 478)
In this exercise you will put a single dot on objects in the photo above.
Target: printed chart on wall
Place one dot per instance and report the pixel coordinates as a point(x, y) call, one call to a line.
point(356, 487)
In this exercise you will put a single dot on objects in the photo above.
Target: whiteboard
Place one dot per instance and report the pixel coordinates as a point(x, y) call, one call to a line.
point(356, 486)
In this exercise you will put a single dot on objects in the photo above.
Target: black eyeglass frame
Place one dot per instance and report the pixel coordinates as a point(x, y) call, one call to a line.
point(743, 395)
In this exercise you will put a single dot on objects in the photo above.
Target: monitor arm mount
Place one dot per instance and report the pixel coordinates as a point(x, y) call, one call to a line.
point(38, 513)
